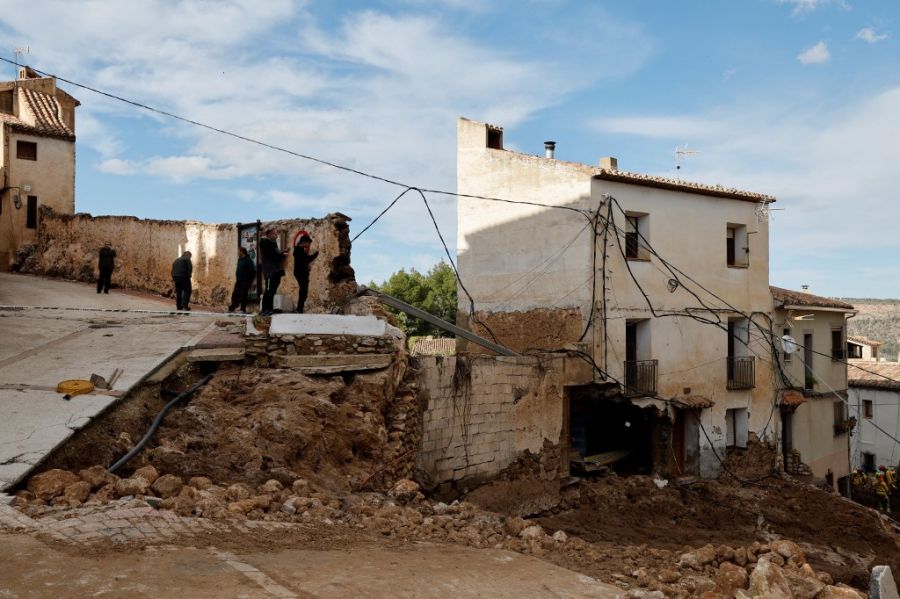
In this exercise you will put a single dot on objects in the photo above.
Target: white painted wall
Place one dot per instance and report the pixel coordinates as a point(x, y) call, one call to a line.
point(866, 437)
point(501, 247)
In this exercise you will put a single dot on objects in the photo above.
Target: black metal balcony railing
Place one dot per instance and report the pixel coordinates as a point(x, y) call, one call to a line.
point(742, 372)
point(837, 353)
point(640, 377)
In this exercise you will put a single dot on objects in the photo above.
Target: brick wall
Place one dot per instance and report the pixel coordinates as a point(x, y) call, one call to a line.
point(481, 412)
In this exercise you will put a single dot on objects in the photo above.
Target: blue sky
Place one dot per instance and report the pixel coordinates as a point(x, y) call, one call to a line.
point(796, 98)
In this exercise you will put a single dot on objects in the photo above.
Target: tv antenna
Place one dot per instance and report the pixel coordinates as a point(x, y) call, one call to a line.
point(682, 152)
point(18, 51)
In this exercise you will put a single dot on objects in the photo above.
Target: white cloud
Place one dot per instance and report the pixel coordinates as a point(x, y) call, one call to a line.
point(117, 166)
point(807, 6)
point(816, 54)
point(868, 34)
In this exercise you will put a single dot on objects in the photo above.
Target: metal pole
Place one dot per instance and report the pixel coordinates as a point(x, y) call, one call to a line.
point(438, 322)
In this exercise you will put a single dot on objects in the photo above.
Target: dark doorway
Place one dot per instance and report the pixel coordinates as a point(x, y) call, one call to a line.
point(678, 445)
point(599, 424)
point(787, 435)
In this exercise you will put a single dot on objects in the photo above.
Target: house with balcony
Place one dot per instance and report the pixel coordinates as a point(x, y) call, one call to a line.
point(816, 424)
point(37, 157)
point(662, 285)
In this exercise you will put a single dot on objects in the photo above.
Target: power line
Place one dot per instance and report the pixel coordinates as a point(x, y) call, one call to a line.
point(282, 149)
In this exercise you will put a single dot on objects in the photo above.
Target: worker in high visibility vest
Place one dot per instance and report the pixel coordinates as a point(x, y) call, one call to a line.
point(881, 491)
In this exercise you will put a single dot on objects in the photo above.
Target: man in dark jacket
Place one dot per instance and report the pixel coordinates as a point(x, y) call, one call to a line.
point(302, 260)
point(181, 276)
point(243, 279)
point(272, 269)
point(107, 264)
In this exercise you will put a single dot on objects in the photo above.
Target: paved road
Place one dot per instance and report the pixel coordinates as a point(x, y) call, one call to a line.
point(42, 347)
point(32, 569)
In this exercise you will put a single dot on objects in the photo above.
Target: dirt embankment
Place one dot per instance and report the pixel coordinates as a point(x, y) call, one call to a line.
point(249, 425)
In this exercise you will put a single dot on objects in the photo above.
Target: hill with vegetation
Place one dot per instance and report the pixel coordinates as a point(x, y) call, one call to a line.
point(877, 319)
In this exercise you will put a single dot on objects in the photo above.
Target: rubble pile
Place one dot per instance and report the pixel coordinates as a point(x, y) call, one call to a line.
point(777, 568)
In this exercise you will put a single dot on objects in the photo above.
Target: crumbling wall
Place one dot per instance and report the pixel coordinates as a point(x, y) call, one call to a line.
point(68, 247)
point(482, 412)
point(521, 331)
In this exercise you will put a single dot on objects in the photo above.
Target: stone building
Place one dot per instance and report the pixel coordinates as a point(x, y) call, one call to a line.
point(812, 375)
point(37, 157)
point(874, 398)
point(662, 284)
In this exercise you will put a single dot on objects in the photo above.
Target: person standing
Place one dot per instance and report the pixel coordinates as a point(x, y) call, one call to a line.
point(182, 269)
point(243, 279)
point(106, 265)
point(272, 269)
point(302, 260)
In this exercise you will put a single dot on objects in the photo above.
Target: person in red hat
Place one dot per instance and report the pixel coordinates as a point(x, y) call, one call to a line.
point(302, 260)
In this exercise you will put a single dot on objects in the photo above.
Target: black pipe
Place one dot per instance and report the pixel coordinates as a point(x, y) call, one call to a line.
point(156, 422)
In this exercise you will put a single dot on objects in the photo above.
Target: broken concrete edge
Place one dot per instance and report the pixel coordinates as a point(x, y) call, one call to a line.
point(882, 584)
point(327, 324)
point(334, 363)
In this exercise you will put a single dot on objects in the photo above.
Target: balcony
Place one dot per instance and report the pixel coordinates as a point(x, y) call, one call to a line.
point(837, 353)
point(640, 377)
point(741, 373)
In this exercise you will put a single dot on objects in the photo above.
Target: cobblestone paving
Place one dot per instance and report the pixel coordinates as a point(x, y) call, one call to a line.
point(125, 522)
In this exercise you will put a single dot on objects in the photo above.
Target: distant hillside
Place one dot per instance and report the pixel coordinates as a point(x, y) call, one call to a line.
point(877, 319)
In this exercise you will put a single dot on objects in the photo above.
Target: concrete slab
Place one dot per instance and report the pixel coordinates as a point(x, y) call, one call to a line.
point(43, 347)
point(333, 363)
point(326, 324)
point(223, 354)
point(882, 584)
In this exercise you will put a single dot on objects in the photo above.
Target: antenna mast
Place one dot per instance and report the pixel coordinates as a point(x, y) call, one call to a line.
point(18, 51)
point(682, 152)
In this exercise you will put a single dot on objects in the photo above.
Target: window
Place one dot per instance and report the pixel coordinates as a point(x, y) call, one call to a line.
point(787, 333)
point(840, 412)
point(837, 343)
point(740, 364)
point(636, 233)
point(809, 379)
point(26, 150)
point(737, 427)
point(640, 370)
point(6, 101)
point(495, 138)
point(868, 408)
point(854, 351)
point(31, 213)
point(737, 246)
point(868, 461)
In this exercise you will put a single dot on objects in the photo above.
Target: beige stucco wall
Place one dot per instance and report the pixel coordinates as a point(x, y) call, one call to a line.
point(51, 178)
point(529, 270)
point(68, 247)
point(483, 411)
point(829, 374)
point(814, 438)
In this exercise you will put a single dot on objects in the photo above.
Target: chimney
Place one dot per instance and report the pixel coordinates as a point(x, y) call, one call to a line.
point(549, 147)
point(609, 163)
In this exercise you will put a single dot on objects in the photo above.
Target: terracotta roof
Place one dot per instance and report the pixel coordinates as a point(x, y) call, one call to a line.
point(436, 346)
point(877, 375)
point(786, 297)
point(42, 115)
point(679, 185)
point(692, 401)
point(863, 340)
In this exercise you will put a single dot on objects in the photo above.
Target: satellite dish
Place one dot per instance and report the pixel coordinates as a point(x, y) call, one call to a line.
point(672, 285)
point(788, 344)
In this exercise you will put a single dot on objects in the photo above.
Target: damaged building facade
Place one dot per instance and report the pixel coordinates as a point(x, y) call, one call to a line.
point(37, 157)
point(812, 373)
point(661, 285)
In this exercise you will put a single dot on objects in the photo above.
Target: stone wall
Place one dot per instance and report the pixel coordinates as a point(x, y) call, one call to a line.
point(68, 246)
point(482, 412)
point(261, 348)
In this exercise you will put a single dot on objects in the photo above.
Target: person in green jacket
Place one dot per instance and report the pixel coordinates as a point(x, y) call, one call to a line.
point(243, 280)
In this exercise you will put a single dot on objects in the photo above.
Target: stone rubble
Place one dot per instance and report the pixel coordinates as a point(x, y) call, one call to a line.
point(760, 570)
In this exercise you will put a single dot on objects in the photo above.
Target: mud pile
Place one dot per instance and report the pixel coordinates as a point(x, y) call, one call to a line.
point(777, 567)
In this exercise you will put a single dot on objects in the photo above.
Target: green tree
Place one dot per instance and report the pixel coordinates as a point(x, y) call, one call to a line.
point(434, 292)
